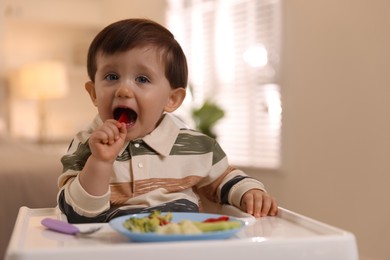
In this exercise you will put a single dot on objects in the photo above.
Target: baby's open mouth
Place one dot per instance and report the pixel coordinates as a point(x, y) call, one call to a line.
point(125, 115)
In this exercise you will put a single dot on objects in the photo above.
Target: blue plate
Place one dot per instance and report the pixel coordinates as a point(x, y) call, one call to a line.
point(117, 224)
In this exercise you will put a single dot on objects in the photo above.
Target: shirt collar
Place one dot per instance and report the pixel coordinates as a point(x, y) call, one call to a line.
point(163, 137)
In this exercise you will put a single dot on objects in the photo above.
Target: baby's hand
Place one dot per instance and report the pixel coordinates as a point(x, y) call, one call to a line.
point(259, 203)
point(106, 141)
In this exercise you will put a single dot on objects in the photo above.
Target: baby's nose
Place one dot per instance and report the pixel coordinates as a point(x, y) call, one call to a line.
point(125, 91)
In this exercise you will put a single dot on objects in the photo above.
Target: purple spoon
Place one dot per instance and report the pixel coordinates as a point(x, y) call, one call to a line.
point(66, 228)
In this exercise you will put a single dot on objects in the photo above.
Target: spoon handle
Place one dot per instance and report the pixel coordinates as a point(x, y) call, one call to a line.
point(60, 226)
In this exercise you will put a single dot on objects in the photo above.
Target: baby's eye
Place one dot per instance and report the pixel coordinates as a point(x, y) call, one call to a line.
point(142, 79)
point(111, 77)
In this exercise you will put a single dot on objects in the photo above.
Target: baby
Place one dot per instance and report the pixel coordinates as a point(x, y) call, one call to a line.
point(135, 157)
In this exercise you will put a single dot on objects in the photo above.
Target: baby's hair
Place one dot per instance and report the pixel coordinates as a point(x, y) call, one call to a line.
point(127, 34)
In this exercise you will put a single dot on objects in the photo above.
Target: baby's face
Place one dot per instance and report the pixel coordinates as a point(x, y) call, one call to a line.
point(131, 86)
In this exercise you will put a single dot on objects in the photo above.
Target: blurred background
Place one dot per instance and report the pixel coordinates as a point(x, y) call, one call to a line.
point(300, 91)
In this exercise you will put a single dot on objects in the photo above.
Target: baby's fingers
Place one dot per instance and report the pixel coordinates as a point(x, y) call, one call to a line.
point(266, 204)
point(274, 207)
point(111, 132)
point(108, 133)
point(269, 205)
point(259, 203)
point(248, 203)
point(122, 130)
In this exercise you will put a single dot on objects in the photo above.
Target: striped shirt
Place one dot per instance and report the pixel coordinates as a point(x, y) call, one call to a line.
point(168, 169)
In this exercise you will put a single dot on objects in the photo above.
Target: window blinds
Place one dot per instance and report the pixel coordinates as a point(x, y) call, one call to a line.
point(233, 51)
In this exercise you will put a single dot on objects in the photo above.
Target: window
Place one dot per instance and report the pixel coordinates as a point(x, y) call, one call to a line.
point(233, 49)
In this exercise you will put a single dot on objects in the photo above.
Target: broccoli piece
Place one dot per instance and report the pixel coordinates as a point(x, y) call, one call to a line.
point(147, 224)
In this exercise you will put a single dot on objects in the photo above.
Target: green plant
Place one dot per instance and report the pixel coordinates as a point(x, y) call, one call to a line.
point(206, 117)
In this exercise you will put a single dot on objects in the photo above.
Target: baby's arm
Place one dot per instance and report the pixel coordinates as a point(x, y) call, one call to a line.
point(105, 144)
point(259, 203)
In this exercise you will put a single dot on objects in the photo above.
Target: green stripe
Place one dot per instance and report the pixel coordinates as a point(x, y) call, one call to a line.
point(76, 160)
point(186, 144)
point(218, 153)
point(125, 156)
point(142, 149)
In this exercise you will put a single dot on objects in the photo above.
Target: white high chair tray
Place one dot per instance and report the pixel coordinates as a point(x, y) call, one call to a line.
point(286, 236)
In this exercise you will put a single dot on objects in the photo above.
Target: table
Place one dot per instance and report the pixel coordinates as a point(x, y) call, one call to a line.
point(288, 235)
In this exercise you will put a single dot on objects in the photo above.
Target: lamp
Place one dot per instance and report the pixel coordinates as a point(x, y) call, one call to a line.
point(41, 81)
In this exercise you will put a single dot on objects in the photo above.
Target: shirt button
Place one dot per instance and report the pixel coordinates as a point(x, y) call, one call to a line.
point(140, 165)
point(136, 145)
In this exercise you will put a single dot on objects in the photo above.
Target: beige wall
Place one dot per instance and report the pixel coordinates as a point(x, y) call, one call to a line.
point(336, 124)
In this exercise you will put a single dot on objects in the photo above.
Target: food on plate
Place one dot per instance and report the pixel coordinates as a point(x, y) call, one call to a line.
point(221, 218)
point(149, 223)
point(183, 227)
point(161, 224)
point(217, 225)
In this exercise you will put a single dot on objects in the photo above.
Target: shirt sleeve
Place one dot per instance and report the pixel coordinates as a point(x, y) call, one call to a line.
point(234, 188)
point(84, 203)
point(226, 184)
point(72, 198)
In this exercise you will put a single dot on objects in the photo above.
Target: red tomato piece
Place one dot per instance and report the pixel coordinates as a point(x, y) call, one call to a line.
point(222, 218)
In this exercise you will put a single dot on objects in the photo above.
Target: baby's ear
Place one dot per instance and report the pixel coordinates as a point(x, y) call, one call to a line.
point(90, 88)
point(175, 100)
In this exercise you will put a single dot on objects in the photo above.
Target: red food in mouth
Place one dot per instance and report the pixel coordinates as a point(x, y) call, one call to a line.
point(123, 118)
point(125, 115)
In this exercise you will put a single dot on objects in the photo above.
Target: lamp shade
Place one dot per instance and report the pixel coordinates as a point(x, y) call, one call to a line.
point(43, 80)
